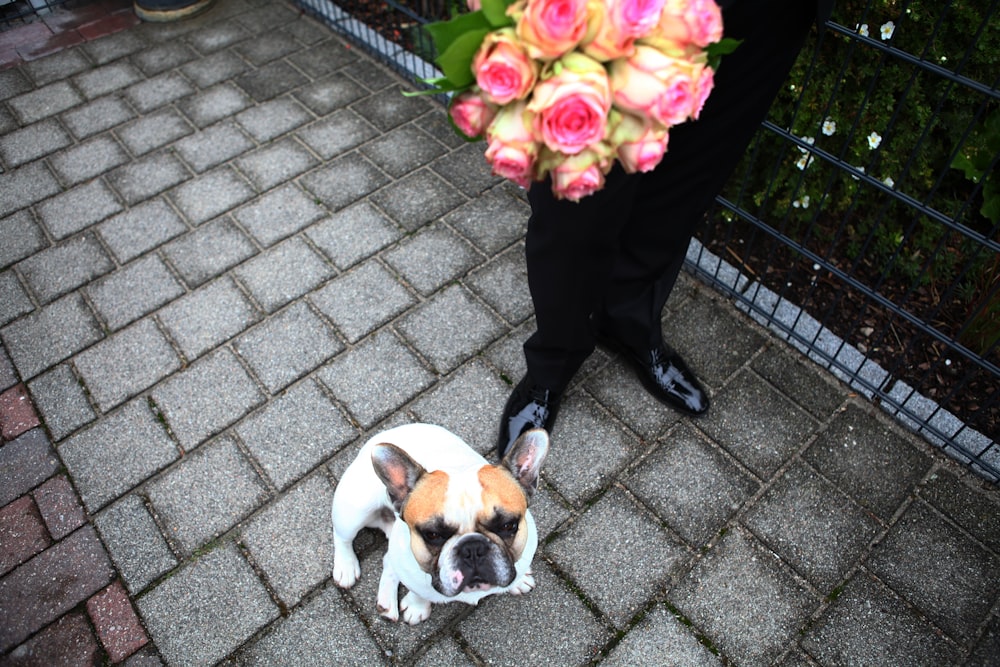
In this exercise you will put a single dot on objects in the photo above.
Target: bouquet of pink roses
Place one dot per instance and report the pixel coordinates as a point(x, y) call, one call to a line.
point(563, 88)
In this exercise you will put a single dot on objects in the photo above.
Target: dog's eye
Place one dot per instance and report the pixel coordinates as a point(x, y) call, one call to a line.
point(434, 538)
point(507, 529)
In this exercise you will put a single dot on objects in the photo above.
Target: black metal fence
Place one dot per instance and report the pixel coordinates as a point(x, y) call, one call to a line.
point(862, 226)
point(15, 12)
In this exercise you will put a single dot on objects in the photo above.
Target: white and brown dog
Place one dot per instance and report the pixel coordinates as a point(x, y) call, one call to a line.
point(459, 529)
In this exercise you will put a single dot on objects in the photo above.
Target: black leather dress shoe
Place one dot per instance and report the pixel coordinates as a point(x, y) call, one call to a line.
point(664, 375)
point(529, 406)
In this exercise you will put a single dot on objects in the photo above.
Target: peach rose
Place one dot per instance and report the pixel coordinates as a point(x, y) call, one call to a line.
point(696, 22)
point(639, 143)
point(614, 25)
point(512, 149)
point(571, 106)
point(471, 113)
point(653, 83)
point(580, 175)
point(502, 67)
point(549, 28)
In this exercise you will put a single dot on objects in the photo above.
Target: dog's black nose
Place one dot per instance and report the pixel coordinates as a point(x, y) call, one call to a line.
point(474, 550)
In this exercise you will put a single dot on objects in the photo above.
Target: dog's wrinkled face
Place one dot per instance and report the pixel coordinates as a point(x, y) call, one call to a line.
point(467, 532)
point(468, 528)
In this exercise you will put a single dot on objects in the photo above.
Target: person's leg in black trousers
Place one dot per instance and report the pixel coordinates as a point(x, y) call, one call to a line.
point(614, 256)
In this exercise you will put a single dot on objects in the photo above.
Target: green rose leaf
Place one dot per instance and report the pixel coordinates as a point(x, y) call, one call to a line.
point(456, 61)
point(495, 12)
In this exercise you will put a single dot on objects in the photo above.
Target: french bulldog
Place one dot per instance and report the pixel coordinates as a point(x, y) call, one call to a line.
point(458, 528)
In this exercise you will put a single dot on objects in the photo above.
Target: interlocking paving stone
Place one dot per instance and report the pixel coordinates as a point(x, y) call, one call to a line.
point(126, 363)
point(325, 58)
point(851, 455)
point(503, 284)
point(22, 237)
point(103, 80)
point(353, 233)
point(97, 116)
point(87, 160)
point(163, 57)
point(32, 142)
point(551, 626)
point(272, 119)
point(283, 273)
point(626, 535)
point(276, 163)
point(467, 170)
point(326, 95)
point(817, 394)
point(217, 36)
point(869, 625)
point(17, 414)
point(134, 290)
point(268, 46)
point(323, 626)
point(661, 639)
point(963, 500)
point(191, 615)
point(26, 186)
point(62, 268)
point(67, 641)
point(14, 300)
point(451, 327)
point(59, 506)
point(134, 542)
point(23, 533)
point(78, 208)
point(444, 653)
point(141, 229)
point(116, 453)
point(492, 221)
point(939, 569)
point(362, 299)
point(158, 91)
point(213, 145)
point(56, 67)
point(50, 585)
point(337, 133)
point(390, 108)
point(402, 150)
point(287, 345)
point(140, 179)
point(194, 421)
point(206, 494)
point(116, 622)
point(209, 251)
point(345, 181)
point(44, 102)
point(211, 70)
point(452, 258)
point(761, 427)
point(153, 131)
point(207, 317)
point(616, 388)
point(375, 378)
point(294, 433)
point(764, 604)
point(112, 47)
point(291, 540)
point(418, 198)
point(270, 81)
point(61, 400)
point(49, 335)
point(279, 214)
point(214, 104)
point(211, 194)
point(692, 485)
point(25, 462)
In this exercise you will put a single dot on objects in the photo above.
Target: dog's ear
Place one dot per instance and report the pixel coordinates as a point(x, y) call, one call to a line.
point(525, 456)
point(397, 471)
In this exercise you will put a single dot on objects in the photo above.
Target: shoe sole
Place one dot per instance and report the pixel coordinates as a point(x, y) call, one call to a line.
point(170, 14)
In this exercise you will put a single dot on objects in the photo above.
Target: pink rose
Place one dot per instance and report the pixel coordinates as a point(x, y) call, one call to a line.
point(571, 107)
point(502, 67)
point(549, 28)
point(512, 148)
point(579, 175)
point(696, 22)
point(614, 25)
point(655, 84)
point(640, 143)
point(702, 89)
point(471, 113)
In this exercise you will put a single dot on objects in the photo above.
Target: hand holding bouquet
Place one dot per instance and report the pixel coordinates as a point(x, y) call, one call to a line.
point(563, 88)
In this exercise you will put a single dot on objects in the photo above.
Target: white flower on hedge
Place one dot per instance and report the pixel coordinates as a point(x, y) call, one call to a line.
point(829, 127)
point(863, 30)
point(801, 202)
point(874, 139)
point(887, 29)
point(889, 182)
point(808, 140)
point(861, 169)
point(804, 161)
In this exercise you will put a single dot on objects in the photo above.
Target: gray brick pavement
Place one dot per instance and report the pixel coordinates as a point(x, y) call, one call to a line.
point(233, 251)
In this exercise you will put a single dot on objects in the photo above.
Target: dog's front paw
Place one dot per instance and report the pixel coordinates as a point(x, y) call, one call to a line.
point(346, 568)
point(525, 584)
point(415, 608)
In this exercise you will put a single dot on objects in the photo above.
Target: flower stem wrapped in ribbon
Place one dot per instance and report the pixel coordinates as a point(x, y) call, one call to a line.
point(564, 88)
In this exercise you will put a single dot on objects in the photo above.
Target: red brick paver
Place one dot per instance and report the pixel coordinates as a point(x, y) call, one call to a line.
point(117, 624)
point(59, 506)
point(69, 641)
point(17, 414)
point(22, 533)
